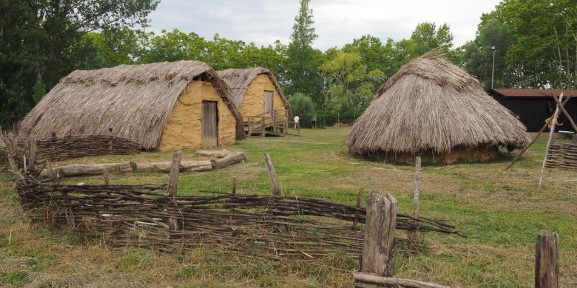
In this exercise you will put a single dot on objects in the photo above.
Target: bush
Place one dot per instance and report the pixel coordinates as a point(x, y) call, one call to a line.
point(303, 107)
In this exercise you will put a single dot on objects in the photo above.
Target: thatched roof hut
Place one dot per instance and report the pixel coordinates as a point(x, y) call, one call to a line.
point(255, 91)
point(159, 106)
point(432, 108)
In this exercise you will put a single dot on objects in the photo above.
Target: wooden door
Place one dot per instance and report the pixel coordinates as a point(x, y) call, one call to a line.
point(268, 97)
point(209, 124)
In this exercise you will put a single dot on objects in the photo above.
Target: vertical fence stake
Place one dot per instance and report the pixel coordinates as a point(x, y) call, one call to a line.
point(412, 231)
point(378, 247)
point(276, 191)
point(173, 183)
point(547, 260)
point(552, 125)
point(32, 154)
point(174, 169)
point(356, 220)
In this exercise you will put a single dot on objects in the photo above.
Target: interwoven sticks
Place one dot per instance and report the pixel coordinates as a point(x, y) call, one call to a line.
point(58, 149)
point(267, 226)
point(562, 155)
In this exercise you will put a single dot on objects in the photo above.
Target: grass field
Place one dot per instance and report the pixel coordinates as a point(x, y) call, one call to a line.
point(501, 212)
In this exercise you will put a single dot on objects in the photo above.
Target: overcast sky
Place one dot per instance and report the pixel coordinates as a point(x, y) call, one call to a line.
point(337, 22)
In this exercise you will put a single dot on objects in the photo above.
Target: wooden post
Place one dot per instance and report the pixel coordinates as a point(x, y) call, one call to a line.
point(276, 191)
point(174, 169)
point(359, 196)
point(551, 132)
point(233, 185)
point(547, 260)
point(105, 176)
point(378, 247)
point(412, 231)
point(32, 154)
point(263, 126)
point(173, 183)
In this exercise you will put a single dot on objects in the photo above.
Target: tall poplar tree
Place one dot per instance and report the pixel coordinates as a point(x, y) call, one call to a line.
point(303, 68)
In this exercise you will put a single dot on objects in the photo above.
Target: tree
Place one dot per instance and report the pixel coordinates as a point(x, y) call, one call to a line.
point(41, 38)
point(350, 85)
point(425, 38)
point(302, 71)
point(303, 107)
point(542, 49)
point(477, 57)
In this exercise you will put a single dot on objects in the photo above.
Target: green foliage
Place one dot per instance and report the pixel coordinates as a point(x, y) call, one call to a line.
point(39, 89)
point(302, 70)
point(43, 37)
point(477, 55)
point(535, 44)
point(303, 107)
point(425, 38)
point(350, 85)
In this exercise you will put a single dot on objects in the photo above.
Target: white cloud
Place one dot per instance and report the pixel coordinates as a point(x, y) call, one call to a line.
point(337, 22)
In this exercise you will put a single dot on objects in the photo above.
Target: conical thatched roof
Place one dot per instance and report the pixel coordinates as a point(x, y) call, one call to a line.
point(432, 105)
point(135, 101)
point(238, 80)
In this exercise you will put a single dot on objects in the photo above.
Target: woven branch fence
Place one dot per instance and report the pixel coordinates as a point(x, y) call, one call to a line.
point(57, 149)
point(562, 155)
point(263, 226)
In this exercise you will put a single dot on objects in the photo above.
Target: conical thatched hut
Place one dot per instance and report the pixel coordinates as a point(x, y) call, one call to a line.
point(257, 93)
point(160, 106)
point(434, 109)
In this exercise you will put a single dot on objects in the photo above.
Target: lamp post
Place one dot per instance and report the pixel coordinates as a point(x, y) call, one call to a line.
point(493, 69)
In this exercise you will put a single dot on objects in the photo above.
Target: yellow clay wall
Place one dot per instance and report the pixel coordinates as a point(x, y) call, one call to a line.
point(253, 101)
point(183, 128)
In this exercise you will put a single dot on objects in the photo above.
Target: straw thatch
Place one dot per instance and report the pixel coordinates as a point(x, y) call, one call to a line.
point(129, 101)
point(432, 106)
point(238, 80)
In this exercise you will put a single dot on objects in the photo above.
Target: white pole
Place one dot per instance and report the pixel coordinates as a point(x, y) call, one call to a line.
point(551, 131)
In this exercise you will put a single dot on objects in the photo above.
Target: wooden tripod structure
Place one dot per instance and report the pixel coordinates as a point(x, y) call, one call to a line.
point(561, 107)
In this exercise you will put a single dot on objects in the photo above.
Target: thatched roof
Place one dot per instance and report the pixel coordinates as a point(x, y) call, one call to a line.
point(238, 80)
point(432, 105)
point(135, 101)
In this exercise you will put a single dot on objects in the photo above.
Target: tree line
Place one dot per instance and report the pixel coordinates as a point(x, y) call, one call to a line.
point(42, 41)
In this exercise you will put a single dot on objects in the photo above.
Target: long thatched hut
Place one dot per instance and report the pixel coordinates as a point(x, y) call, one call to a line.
point(259, 98)
point(160, 106)
point(434, 109)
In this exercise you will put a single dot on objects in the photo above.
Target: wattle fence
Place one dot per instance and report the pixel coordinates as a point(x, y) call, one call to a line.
point(146, 216)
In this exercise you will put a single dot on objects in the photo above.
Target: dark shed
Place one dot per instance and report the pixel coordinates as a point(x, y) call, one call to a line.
point(533, 106)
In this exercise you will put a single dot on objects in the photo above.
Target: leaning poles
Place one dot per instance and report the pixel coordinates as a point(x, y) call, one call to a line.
point(552, 124)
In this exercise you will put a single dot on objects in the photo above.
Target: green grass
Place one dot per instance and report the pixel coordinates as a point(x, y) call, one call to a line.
point(501, 212)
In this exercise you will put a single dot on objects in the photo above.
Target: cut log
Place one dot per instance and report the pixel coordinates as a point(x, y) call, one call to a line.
point(185, 166)
point(214, 153)
point(233, 158)
point(90, 169)
point(368, 280)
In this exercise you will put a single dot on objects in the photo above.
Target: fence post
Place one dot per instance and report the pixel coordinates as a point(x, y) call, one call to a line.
point(276, 191)
point(378, 247)
point(547, 260)
point(412, 230)
point(174, 169)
